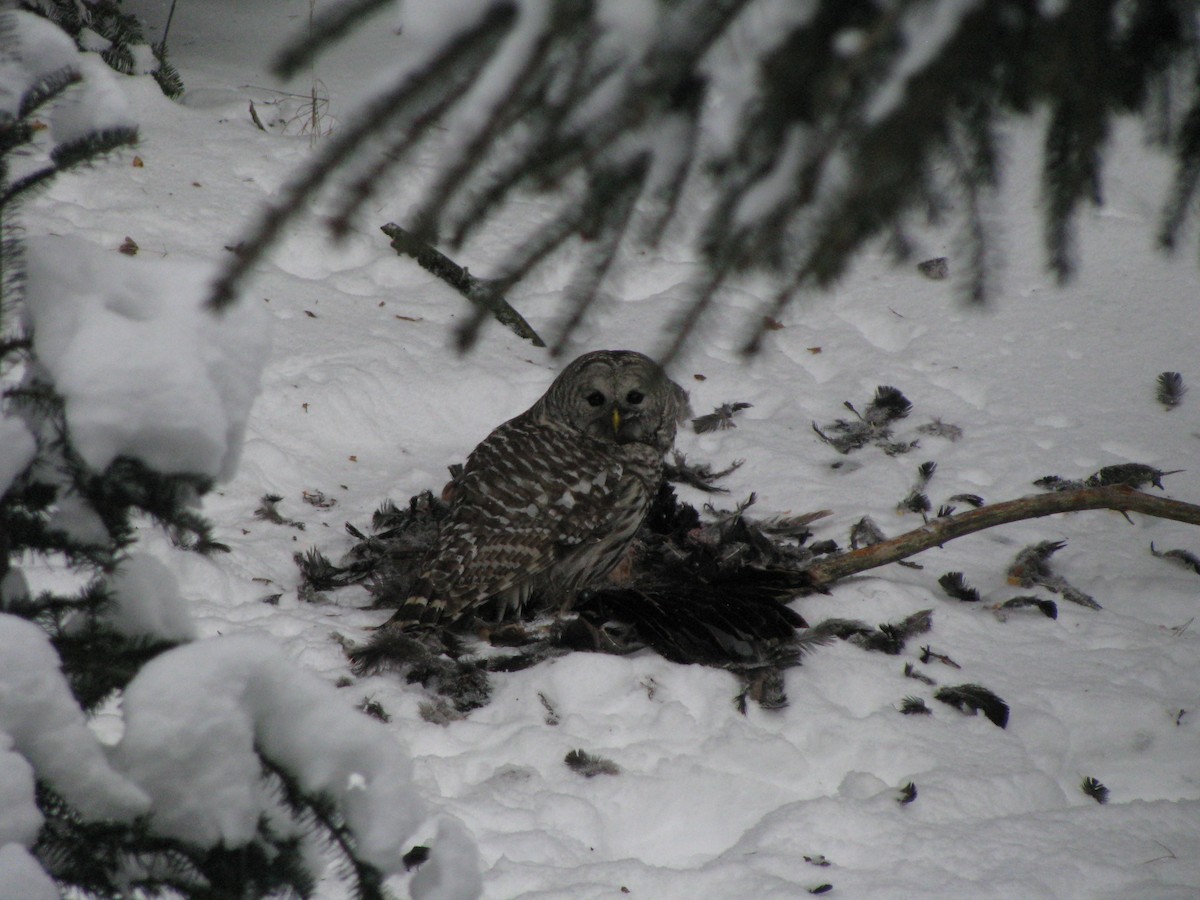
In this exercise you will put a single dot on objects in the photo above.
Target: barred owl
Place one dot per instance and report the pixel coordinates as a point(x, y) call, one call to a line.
point(550, 500)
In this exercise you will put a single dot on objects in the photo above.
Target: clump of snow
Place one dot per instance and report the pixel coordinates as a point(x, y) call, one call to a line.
point(40, 45)
point(41, 721)
point(41, 48)
point(195, 715)
point(96, 105)
point(21, 878)
point(76, 518)
point(147, 602)
point(144, 369)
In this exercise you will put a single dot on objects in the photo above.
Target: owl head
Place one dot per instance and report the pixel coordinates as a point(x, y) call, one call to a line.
point(617, 396)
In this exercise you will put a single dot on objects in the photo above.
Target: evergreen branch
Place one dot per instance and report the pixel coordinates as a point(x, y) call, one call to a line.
point(453, 172)
point(485, 295)
point(327, 27)
point(322, 812)
point(584, 288)
point(465, 52)
point(91, 146)
point(937, 532)
point(46, 89)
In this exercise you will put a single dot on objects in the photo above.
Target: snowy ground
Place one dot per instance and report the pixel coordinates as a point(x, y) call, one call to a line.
point(363, 401)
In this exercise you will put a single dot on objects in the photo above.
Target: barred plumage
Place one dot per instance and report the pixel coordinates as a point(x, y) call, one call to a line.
point(550, 500)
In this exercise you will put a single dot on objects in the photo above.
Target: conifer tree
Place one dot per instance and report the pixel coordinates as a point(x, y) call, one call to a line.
point(814, 128)
point(126, 48)
point(60, 514)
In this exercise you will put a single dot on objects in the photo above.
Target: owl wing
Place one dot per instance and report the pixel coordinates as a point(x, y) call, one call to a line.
point(529, 492)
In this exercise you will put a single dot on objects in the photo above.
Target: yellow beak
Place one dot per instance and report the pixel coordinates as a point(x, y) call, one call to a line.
point(616, 420)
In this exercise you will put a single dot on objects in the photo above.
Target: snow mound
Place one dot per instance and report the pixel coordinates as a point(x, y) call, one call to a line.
point(146, 601)
point(40, 721)
point(21, 878)
point(145, 370)
point(200, 711)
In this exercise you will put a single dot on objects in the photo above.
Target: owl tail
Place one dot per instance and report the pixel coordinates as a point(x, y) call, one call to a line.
point(417, 613)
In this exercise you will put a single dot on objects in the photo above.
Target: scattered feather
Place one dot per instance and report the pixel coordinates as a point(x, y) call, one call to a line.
point(938, 428)
point(552, 717)
point(590, 765)
point(917, 501)
point(1170, 389)
point(910, 671)
point(318, 499)
point(701, 476)
point(975, 698)
point(317, 574)
point(1094, 789)
point(888, 638)
point(374, 709)
point(1055, 483)
point(955, 585)
point(720, 418)
point(908, 793)
point(872, 425)
point(928, 656)
point(1031, 567)
point(936, 269)
point(925, 472)
point(914, 706)
point(1134, 475)
point(888, 405)
point(865, 533)
point(1179, 557)
point(1048, 607)
point(821, 889)
point(415, 857)
point(973, 500)
point(269, 512)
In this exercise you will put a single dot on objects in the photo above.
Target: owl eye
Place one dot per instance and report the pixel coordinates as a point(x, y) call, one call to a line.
point(595, 398)
point(635, 397)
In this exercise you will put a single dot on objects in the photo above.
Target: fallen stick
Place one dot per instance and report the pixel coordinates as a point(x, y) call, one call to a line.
point(1121, 498)
point(482, 293)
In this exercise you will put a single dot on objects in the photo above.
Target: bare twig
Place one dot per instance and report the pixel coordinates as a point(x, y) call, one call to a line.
point(939, 531)
point(480, 292)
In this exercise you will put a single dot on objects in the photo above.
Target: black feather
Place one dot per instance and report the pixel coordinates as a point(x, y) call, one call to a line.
point(955, 585)
point(589, 765)
point(1170, 389)
point(970, 499)
point(974, 698)
point(1179, 557)
point(1094, 789)
point(914, 706)
point(1031, 567)
point(1048, 607)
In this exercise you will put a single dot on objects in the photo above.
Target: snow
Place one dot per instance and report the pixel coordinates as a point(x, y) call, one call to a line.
point(41, 722)
point(242, 692)
point(147, 602)
point(145, 370)
point(24, 878)
point(98, 103)
point(362, 399)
